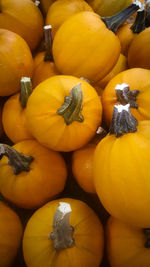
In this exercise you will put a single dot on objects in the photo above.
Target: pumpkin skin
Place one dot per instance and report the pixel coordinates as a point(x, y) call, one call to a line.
point(45, 4)
point(120, 66)
point(13, 117)
point(125, 35)
point(60, 11)
point(1, 125)
point(121, 179)
point(136, 78)
point(23, 18)
point(40, 251)
point(11, 233)
point(82, 167)
point(139, 51)
point(50, 128)
point(45, 180)
point(13, 48)
point(90, 61)
point(125, 245)
point(107, 8)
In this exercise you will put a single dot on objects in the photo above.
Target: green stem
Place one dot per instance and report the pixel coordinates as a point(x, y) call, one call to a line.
point(122, 121)
point(48, 43)
point(62, 234)
point(140, 22)
point(147, 234)
point(17, 160)
point(125, 96)
point(71, 109)
point(25, 91)
point(116, 20)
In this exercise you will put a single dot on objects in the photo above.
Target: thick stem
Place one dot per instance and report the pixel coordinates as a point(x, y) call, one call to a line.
point(140, 22)
point(71, 109)
point(25, 91)
point(147, 234)
point(116, 20)
point(125, 96)
point(17, 160)
point(62, 234)
point(122, 121)
point(48, 43)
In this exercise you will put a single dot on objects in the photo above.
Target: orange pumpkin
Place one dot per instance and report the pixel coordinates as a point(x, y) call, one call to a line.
point(120, 66)
point(45, 4)
point(10, 235)
point(13, 115)
point(44, 67)
point(121, 168)
point(60, 11)
point(127, 245)
point(32, 176)
point(133, 82)
point(107, 8)
point(23, 18)
point(66, 235)
point(15, 50)
point(139, 51)
point(69, 114)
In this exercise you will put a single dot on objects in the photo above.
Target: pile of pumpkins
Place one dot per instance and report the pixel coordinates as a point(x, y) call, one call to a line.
point(75, 105)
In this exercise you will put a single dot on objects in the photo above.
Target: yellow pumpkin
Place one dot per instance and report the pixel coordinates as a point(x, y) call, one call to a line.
point(11, 231)
point(63, 113)
point(31, 174)
point(60, 11)
point(64, 232)
point(45, 4)
point(23, 18)
point(121, 168)
point(127, 245)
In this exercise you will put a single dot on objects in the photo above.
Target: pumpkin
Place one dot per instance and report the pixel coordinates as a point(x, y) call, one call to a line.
point(120, 66)
point(13, 115)
point(127, 245)
point(1, 125)
point(15, 50)
point(23, 18)
point(45, 4)
point(121, 168)
point(44, 67)
point(85, 47)
point(69, 108)
point(107, 8)
point(139, 50)
point(127, 32)
point(64, 232)
point(133, 82)
point(31, 174)
point(82, 167)
point(60, 11)
point(11, 233)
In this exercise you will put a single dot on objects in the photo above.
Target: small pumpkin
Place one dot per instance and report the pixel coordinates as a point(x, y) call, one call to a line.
point(60, 11)
point(32, 174)
point(130, 86)
point(64, 232)
point(23, 18)
point(127, 245)
point(121, 168)
point(63, 113)
point(15, 50)
point(11, 231)
point(13, 115)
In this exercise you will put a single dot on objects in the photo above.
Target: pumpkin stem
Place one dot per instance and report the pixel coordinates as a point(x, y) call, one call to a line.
point(140, 22)
point(37, 3)
point(147, 234)
point(17, 160)
point(62, 234)
point(122, 121)
point(48, 43)
point(125, 96)
point(147, 13)
point(116, 20)
point(25, 91)
point(71, 109)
